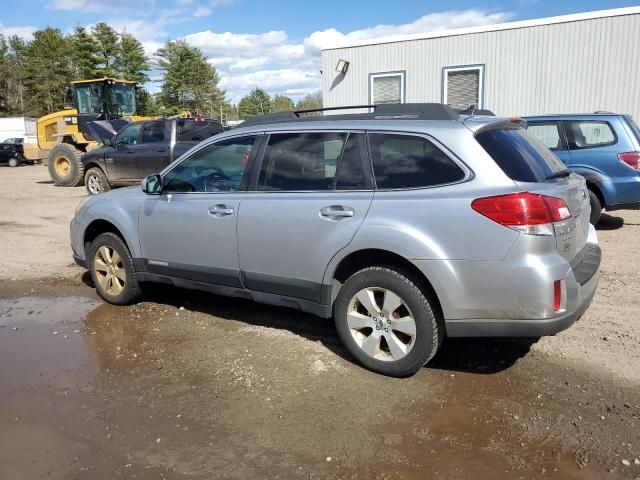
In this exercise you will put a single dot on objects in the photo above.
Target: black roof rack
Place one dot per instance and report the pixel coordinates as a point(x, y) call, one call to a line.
point(396, 111)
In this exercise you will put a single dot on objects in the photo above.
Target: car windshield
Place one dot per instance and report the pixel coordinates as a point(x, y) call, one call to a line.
point(520, 154)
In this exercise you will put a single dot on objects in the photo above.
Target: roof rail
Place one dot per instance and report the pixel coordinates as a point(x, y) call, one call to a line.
point(474, 110)
point(395, 111)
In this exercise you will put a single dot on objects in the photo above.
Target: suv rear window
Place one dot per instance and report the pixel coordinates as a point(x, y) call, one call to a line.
point(519, 154)
point(409, 161)
point(191, 130)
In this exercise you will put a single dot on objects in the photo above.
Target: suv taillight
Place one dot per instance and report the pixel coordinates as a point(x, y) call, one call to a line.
point(524, 212)
point(630, 158)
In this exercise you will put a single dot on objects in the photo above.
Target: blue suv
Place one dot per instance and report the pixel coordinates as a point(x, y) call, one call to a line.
point(602, 147)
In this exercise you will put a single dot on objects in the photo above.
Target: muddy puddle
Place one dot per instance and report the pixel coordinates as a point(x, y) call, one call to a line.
point(192, 386)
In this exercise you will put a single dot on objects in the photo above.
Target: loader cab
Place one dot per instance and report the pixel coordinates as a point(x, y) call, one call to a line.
point(103, 99)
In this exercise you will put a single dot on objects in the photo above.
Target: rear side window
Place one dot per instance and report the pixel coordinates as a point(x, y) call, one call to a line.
point(548, 133)
point(408, 161)
point(192, 130)
point(520, 155)
point(634, 126)
point(312, 162)
point(590, 134)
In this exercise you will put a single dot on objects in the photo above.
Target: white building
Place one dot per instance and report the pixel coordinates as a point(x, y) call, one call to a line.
point(577, 63)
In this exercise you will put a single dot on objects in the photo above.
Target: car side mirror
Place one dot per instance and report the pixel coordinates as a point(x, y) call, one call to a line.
point(110, 142)
point(152, 184)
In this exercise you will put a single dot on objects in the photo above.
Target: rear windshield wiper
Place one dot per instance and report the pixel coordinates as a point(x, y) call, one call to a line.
point(559, 174)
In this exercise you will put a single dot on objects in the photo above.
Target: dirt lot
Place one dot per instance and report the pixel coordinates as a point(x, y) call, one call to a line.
point(186, 385)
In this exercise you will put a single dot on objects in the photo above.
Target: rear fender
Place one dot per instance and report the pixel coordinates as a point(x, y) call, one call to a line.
point(598, 179)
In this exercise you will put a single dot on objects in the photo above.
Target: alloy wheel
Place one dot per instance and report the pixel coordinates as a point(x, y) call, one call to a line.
point(93, 184)
point(110, 271)
point(381, 324)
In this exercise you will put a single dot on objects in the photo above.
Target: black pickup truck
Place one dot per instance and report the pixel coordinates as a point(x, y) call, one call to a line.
point(142, 148)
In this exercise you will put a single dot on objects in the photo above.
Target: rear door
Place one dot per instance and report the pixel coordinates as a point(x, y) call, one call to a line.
point(120, 159)
point(532, 166)
point(308, 198)
point(152, 154)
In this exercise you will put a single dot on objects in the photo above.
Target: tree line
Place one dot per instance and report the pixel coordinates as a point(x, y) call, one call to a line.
point(35, 74)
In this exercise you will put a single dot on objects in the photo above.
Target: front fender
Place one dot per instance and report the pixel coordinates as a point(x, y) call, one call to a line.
point(122, 214)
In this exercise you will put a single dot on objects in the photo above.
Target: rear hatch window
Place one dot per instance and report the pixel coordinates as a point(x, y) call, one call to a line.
point(634, 127)
point(196, 130)
point(520, 155)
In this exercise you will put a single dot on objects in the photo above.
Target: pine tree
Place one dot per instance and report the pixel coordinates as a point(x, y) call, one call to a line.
point(257, 102)
point(281, 103)
point(85, 54)
point(134, 62)
point(109, 53)
point(190, 82)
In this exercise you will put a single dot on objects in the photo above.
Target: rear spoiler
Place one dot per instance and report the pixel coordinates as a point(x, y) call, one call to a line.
point(480, 124)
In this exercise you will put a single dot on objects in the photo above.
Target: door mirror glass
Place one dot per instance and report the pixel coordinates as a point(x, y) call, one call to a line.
point(152, 185)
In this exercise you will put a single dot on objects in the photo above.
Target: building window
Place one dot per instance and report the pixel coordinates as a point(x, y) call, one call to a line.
point(386, 87)
point(463, 86)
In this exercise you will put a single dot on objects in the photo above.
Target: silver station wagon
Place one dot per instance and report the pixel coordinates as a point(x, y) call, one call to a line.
point(406, 225)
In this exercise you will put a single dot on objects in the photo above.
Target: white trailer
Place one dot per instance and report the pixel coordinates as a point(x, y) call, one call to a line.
point(18, 127)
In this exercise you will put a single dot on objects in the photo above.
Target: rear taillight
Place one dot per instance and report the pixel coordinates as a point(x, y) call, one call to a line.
point(630, 158)
point(524, 212)
point(557, 295)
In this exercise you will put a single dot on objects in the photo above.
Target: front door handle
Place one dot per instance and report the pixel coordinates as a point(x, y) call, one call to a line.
point(220, 210)
point(162, 149)
point(335, 212)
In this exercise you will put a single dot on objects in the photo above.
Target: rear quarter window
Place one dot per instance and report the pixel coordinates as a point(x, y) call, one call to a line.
point(590, 134)
point(520, 154)
point(408, 161)
point(190, 130)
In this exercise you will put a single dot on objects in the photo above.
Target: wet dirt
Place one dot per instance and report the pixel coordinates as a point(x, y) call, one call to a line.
point(189, 385)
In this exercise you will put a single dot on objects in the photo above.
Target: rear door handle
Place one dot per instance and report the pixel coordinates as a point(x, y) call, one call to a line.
point(162, 149)
point(220, 210)
point(336, 212)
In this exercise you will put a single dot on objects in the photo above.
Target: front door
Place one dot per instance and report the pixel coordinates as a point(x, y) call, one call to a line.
point(189, 231)
point(307, 203)
point(152, 154)
point(120, 158)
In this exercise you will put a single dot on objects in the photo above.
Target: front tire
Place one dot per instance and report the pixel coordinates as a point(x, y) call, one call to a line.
point(65, 167)
point(596, 208)
point(96, 181)
point(386, 322)
point(112, 270)
point(14, 162)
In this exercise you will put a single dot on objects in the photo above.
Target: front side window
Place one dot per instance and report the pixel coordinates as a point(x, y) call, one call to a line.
point(129, 135)
point(587, 134)
point(153, 132)
point(312, 162)
point(407, 161)
point(463, 86)
point(387, 88)
point(218, 167)
point(548, 133)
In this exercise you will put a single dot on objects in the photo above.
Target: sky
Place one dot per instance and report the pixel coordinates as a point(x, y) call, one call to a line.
point(275, 45)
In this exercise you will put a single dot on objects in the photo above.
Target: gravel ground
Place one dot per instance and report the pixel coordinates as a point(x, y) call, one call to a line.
point(187, 385)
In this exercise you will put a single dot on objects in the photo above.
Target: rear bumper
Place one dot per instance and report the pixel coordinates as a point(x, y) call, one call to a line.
point(585, 282)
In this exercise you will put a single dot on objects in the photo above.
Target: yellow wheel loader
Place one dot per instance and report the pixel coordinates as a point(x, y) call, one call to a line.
point(102, 106)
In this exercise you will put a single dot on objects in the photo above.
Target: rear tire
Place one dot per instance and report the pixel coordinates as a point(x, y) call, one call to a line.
point(96, 181)
point(393, 330)
point(596, 208)
point(65, 167)
point(112, 270)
